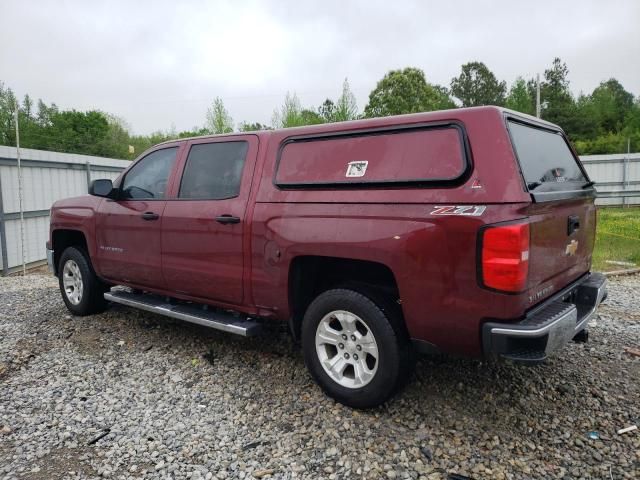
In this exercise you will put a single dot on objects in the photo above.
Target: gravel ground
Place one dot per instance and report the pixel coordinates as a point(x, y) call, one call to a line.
point(127, 394)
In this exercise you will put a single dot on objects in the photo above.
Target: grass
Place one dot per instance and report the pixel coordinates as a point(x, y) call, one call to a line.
point(617, 238)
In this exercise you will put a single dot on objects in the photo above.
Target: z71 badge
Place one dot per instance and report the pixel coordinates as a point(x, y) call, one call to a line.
point(463, 210)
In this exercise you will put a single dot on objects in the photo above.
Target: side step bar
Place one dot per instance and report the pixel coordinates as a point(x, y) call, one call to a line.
point(193, 313)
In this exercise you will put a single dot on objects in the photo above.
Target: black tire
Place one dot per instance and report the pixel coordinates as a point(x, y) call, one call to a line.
point(91, 299)
point(394, 353)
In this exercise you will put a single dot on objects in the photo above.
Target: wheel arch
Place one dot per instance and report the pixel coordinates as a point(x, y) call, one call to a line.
point(310, 275)
point(63, 238)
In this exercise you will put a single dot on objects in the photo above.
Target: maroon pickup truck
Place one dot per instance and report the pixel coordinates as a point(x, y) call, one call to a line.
point(465, 231)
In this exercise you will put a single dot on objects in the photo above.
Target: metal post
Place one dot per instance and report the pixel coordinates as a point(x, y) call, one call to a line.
point(538, 107)
point(3, 237)
point(625, 175)
point(88, 175)
point(24, 265)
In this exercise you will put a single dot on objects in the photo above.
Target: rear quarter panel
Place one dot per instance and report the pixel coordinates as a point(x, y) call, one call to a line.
point(432, 258)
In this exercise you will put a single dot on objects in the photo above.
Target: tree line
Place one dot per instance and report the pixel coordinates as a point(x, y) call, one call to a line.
point(605, 121)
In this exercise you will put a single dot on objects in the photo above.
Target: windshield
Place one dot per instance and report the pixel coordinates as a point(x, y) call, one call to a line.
point(546, 160)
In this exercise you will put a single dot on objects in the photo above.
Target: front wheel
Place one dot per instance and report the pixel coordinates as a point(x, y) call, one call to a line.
point(82, 290)
point(355, 348)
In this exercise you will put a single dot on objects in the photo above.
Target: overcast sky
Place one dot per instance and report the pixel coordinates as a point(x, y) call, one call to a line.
point(158, 64)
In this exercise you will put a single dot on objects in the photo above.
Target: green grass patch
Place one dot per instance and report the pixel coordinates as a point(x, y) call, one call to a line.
point(617, 238)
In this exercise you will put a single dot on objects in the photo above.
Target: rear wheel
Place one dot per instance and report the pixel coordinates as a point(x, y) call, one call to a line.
point(82, 290)
point(355, 348)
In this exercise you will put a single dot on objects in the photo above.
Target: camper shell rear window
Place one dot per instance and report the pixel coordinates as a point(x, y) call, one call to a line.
point(416, 155)
point(548, 165)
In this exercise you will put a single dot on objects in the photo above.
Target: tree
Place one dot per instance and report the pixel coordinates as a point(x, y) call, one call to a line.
point(559, 105)
point(218, 118)
point(444, 98)
point(611, 104)
point(116, 140)
point(556, 82)
point(586, 124)
point(27, 106)
point(73, 130)
point(29, 128)
point(631, 129)
point(291, 114)
point(45, 113)
point(253, 127)
point(607, 143)
point(344, 109)
point(346, 106)
point(519, 98)
point(404, 91)
point(7, 110)
point(477, 85)
point(327, 110)
point(310, 117)
point(194, 132)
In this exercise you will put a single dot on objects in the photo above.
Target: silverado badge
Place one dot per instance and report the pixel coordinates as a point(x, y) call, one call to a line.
point(572, 248)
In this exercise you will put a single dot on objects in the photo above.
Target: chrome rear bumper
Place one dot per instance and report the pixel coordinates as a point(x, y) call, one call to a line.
point(549, 326)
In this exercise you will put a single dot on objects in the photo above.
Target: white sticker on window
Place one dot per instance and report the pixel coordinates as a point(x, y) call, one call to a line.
point(357, 169)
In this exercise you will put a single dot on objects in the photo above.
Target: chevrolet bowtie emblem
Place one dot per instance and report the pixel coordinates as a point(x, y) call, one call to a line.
point(572, 248)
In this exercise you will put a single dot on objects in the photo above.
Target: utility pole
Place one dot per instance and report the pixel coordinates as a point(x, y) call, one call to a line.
point(538, 109)
point(24, 266)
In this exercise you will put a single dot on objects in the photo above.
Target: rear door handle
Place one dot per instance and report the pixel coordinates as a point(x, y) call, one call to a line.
point(227, 219)
point(150, 216)
point(573, 224)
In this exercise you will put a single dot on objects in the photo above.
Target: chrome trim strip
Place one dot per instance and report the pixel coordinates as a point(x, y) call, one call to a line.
point(168, 311)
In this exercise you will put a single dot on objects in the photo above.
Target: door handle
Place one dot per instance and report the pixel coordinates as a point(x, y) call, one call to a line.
point(573, 224)
point(227, 219)
point(150, 216)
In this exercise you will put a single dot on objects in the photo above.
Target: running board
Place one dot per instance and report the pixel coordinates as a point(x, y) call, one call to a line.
point(194, 313)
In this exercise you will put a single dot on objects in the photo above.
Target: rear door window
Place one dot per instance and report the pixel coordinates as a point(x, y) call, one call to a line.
point(213, 171)
point(547, 162)
point(422, 154)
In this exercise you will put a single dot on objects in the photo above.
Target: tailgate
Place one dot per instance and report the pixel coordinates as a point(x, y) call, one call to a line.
point(562, 216)
point(561, 244)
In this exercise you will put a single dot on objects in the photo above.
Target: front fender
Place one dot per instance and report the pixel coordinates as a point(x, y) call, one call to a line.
point(76, 214)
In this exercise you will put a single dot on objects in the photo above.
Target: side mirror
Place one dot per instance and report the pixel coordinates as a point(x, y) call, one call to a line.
point(101, 188)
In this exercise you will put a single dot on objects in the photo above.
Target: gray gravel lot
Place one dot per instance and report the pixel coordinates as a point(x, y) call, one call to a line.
point(127, 394)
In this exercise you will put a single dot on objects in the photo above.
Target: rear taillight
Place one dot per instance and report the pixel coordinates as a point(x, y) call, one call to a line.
point(505, 257)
